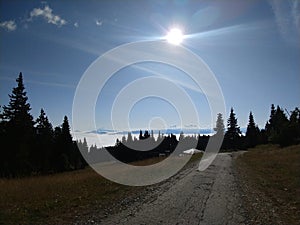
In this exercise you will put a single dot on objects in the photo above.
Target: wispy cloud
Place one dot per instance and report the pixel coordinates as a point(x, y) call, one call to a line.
point(46, 13)
point(51, 84)
point(9, 25)
point(76, 24)
point(287, 17)
point(73, 43)
point(187, 85)
point(99, 22)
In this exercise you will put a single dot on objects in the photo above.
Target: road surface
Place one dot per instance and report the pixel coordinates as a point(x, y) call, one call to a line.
point(190, 197)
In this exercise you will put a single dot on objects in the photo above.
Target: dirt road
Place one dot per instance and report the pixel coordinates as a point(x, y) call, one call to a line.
point(190, 197)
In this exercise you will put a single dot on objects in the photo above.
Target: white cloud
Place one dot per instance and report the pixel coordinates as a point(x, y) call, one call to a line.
point(47, 14)
point(9, 25)
point(76, 24)
point(99, 22)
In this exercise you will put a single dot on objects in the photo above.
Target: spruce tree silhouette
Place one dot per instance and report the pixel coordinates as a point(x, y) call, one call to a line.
point(129, 138)
point(294, 126)
point(252, 132)
point(220, 128)
point(270, 124)
point(232, 135)
point(67, 145)
point(27, 148)
point(141, 135)
point(19, 131)
point(277, 128)
point(64, 149)
point(44, 142)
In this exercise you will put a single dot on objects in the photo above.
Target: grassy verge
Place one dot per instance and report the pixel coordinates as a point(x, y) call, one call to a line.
point(272, 174)
point(62, 198)
point(57, 199)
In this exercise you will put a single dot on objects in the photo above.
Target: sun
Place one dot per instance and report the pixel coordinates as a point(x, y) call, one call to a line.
point(174, 36)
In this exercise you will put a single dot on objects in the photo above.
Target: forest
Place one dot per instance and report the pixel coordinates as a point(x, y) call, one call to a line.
point(32, 146)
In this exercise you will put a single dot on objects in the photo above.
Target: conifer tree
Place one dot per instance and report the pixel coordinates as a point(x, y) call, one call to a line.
point(252, 132)
point(45, 141)
point(220, 128)
point(3, 151)
point(19, 130)
point(123, 140)
point(277, 127)
point(181, 136)
point(85, 145)
point(146, 134)
point(233, 132)
point(69, 154)
point(294, 126)
point(129, 137)
point(72, 158)
point(66, 130)
point(141, 135)
point(64, 148)
point(43, 126)
point(18, 110)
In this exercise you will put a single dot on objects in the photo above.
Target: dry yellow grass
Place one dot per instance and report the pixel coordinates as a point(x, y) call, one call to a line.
point(62, 198)
point(57, 199)
point(275, 172)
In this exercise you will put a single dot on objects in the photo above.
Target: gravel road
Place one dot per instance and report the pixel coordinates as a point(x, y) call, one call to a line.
point(190, 197)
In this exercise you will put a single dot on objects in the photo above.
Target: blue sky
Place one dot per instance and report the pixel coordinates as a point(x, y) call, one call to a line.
point(252, 47)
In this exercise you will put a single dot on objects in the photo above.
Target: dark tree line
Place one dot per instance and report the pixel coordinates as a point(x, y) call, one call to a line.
point(31, 146)
point(129, 150)
point(279, 130)
point(283, 130)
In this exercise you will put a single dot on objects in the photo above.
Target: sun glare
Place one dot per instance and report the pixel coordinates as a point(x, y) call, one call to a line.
point(174, 36)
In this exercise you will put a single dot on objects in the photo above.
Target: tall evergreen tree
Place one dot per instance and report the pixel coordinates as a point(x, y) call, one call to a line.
point(19, 130)
point(43, 126)
point(141, 135)
point(220, 128)
point(129, 138)
point(252, 133)
point(294, 125)
point(270, 124)
point(68, 150)
point(3, 151)
point(232, 135)
point(65, 154)
point(277, 127)
point(45, 141)
point(58, 162)
point(83, 146)
point(181, 136)
point(66, 130)
point(72, 158)
point(146, 134)
point(18, 109)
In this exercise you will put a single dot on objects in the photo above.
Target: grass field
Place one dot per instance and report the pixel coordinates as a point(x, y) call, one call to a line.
point(62, 198)
point(56, 199)
point(275, 172)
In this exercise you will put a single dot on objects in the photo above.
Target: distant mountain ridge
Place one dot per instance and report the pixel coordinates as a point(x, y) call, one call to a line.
point(190, 131)
point(167, 131)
